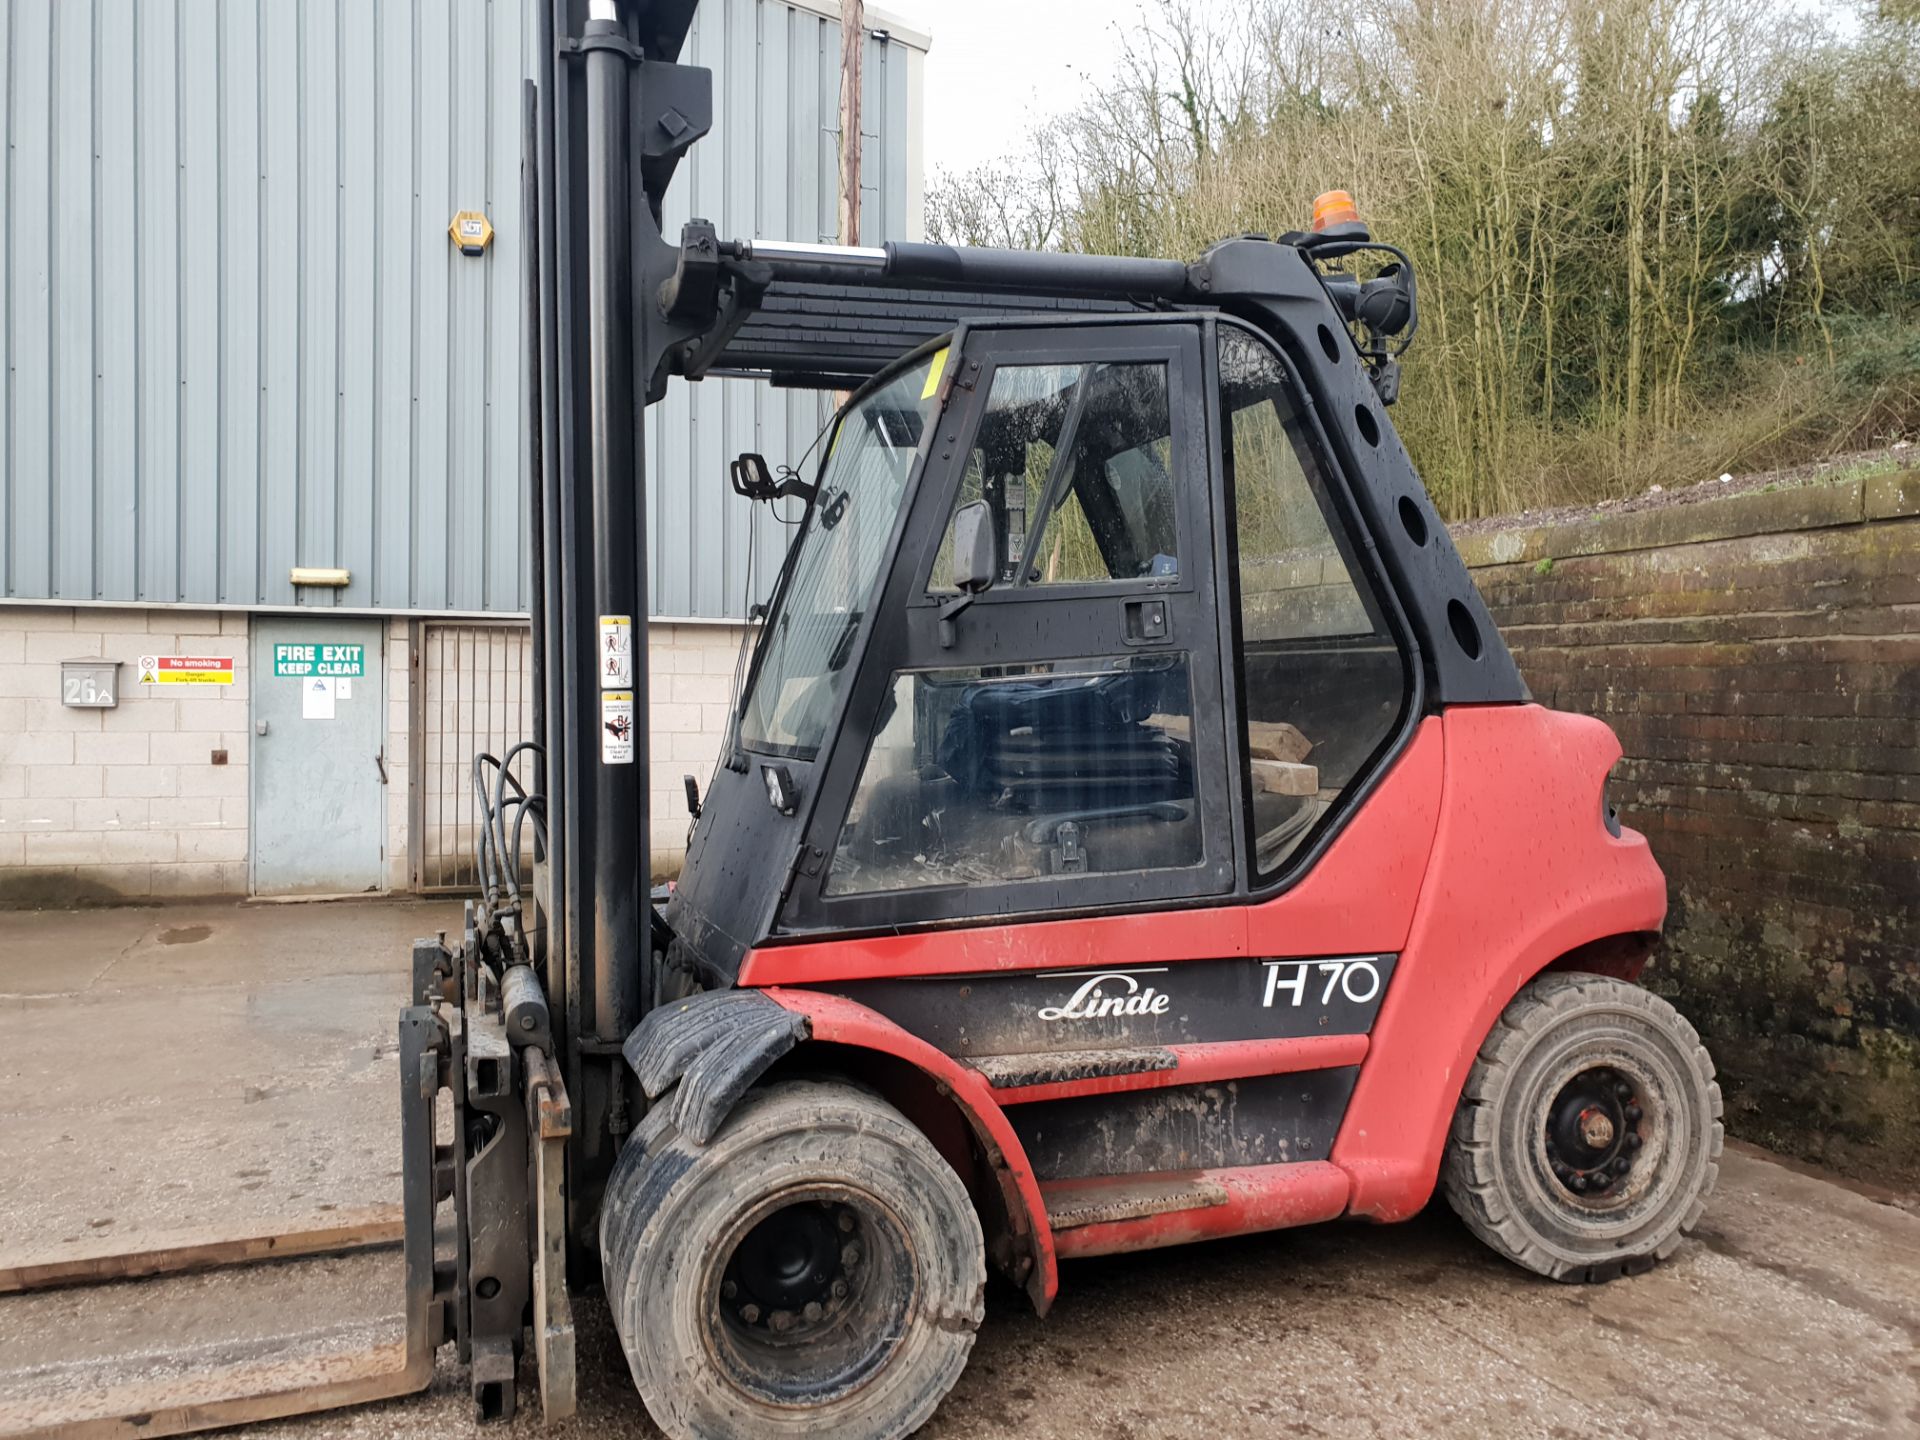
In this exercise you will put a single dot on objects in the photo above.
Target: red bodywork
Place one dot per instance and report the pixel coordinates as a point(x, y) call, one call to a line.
point(1481, 858)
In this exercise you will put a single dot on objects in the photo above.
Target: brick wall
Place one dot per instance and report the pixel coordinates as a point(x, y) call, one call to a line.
point(1759, 657)
point(127, 802)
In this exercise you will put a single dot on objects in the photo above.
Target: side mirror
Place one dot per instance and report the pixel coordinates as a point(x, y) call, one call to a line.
point(976, 562)
point(976, 553)
point(752, 477)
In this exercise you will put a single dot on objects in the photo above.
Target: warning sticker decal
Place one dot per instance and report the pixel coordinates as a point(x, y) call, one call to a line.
point(616, 727)
point(186, 670)
point(616, 652)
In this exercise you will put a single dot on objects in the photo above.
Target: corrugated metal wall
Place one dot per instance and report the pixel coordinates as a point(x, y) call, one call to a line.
point(238, 339)
point(772, 169)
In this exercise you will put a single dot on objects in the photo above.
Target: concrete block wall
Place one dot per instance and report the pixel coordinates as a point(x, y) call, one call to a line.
point(690, 675)
point(1759, 658)
point(126, 803)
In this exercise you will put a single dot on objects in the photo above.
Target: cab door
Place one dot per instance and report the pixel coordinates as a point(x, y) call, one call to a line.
point(1057, 741)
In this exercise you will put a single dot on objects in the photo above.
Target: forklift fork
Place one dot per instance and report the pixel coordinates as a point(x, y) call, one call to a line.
point(502, 1165)
point(273, 1389)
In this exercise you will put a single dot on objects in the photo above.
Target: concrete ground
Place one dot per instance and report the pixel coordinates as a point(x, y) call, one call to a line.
point(185, 1066)
point(175, 1066)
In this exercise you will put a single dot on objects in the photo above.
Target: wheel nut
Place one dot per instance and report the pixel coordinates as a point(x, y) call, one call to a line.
point(849, 1255)
point(1623, 1090)
point(728, 1290)
point(1633, 1114)
point(1579, 1182)
point(845, 1221)
point(1622, 1165)
point(781, 1320)
point(839, 1289)
point(750, 1313)
point(812, 1311)
point(1634, 1142)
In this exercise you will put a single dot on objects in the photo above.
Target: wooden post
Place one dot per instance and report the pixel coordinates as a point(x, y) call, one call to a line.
point(853, 34)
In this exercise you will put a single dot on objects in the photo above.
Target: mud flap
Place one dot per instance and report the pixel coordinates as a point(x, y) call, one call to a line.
point(713, 1046)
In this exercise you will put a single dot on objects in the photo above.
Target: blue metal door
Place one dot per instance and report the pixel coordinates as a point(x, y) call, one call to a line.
point(319, 737)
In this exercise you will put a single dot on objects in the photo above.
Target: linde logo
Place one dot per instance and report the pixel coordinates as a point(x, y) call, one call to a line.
point(1108, 992)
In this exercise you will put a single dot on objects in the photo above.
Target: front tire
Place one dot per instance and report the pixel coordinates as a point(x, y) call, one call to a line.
point(1588, 1136)
point(817, 1268)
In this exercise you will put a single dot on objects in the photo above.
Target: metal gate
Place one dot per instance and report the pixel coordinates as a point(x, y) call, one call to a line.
point(472, 692)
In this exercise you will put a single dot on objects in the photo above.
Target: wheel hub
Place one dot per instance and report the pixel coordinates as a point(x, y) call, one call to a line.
point(1593, 1132)
point(795, 1269)
point(810, 1292)
point(1596, 1128)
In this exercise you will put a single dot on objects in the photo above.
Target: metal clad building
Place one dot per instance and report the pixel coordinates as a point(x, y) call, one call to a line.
point(238, 338)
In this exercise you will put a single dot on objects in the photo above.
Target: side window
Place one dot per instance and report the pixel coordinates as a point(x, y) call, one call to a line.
point(1322, 680)
point(983, 775)
point(1077, 464)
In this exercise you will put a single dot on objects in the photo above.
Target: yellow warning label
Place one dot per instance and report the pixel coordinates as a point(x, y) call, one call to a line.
point(186, 670)
point(934, 372)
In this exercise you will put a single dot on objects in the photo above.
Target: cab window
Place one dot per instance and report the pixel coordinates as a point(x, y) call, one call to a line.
point(1322, 681)
point(836, 566)
point(991, 774)
point(1076, 463)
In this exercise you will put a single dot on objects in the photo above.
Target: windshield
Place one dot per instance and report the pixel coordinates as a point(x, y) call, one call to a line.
point(835, 568)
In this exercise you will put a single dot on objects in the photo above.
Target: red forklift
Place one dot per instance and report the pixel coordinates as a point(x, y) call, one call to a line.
point(1131, 828)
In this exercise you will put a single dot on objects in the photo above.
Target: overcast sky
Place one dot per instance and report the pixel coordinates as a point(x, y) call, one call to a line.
point(998, 66)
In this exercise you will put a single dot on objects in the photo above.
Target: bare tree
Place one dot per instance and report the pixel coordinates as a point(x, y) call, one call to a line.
point(1623, 210)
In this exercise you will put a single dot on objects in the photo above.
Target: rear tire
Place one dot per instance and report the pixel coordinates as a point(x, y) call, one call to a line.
point(1588, 1135)
point(817, 1268)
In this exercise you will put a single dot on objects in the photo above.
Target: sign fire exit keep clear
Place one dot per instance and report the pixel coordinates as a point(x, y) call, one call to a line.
point(342, 661)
